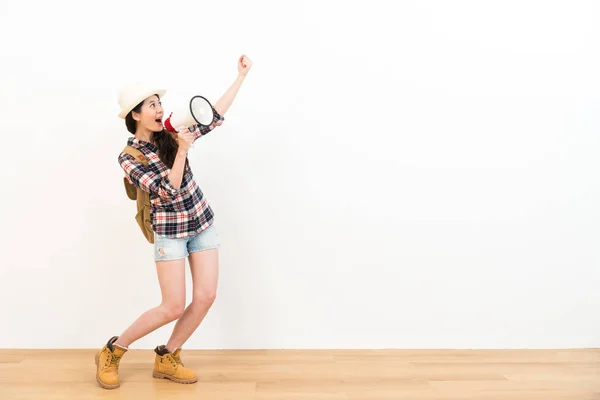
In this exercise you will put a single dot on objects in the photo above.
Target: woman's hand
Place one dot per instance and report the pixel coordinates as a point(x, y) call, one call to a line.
point(244, 65)
point(185, 139)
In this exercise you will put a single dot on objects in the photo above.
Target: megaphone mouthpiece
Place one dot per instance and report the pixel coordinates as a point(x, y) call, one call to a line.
point(168, 125)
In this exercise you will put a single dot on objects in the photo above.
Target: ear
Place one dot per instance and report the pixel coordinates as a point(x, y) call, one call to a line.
point(135, 116)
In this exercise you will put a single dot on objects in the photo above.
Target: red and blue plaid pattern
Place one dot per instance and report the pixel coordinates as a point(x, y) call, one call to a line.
point(174, 213)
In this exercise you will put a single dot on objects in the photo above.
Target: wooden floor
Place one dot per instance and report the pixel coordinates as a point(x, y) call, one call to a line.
point(318, 375)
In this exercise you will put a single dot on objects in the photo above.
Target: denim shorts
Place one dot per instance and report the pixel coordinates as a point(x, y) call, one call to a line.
point(166, 248)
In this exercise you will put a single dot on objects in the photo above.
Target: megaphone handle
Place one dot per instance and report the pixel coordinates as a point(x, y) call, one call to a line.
point(192, 129)
point(174, 134)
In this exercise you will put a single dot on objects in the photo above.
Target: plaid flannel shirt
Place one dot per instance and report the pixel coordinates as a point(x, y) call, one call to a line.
point(175, 213)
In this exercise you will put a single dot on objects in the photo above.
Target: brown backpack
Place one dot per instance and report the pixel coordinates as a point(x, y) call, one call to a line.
point(143, 198)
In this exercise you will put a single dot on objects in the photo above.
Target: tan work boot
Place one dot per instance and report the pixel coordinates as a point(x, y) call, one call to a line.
point(169, 366)
point(107, 364)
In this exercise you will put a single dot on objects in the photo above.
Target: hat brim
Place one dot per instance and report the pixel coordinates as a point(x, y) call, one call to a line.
point(143, 96)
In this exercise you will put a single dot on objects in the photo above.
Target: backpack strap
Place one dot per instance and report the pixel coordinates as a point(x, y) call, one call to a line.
point(132, 151)
point(138, 155)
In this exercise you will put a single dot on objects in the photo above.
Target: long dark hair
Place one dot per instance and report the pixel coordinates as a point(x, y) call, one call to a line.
point(166, 143)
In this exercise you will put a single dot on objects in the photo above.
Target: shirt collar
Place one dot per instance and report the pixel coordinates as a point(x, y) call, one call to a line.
point(135, 142)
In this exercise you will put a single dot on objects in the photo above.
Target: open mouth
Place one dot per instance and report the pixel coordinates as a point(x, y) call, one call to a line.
point(158, 120)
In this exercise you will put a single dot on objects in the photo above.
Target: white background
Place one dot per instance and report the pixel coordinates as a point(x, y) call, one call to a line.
point(410, 174)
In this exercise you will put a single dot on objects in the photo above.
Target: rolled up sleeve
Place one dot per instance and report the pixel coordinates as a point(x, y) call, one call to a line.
point(142, 177)
point(217, 121)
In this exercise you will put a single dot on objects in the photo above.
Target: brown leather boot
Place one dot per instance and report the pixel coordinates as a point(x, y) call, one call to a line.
point(169, 366)
point(107, 364)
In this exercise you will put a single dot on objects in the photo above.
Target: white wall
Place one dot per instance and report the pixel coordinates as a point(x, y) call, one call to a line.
point(391, 175)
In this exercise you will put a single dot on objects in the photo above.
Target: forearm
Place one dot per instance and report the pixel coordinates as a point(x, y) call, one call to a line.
point(226, 100)
point(176, 174)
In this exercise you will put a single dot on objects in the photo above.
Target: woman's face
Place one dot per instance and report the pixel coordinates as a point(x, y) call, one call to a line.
point(150, 116)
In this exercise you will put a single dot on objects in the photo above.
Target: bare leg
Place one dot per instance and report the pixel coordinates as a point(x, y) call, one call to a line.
point(204, 266)
point(171, 277)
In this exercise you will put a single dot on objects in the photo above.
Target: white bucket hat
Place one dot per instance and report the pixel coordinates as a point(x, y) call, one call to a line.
point(133, 94)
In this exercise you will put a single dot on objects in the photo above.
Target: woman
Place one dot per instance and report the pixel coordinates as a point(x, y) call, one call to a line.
point(182, 221)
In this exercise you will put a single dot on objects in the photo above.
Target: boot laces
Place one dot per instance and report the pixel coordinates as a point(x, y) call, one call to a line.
point(172, 359)
point(113, 360)
point(177, 359)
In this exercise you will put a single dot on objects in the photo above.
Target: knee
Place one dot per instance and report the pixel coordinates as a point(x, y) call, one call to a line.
point(205, 298)
point(173, 311)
